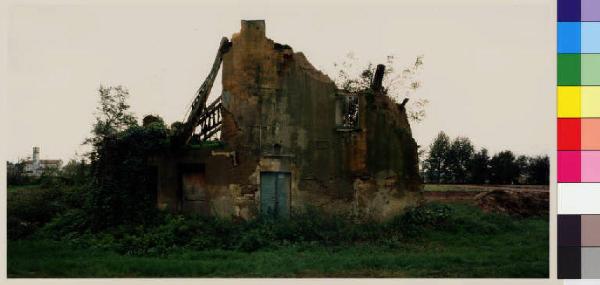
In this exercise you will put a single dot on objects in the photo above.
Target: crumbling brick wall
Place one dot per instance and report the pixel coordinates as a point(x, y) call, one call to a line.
point(280, 116)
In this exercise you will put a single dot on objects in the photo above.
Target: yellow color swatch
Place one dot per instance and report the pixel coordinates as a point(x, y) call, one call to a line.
point(590, 101)
point(569, 101)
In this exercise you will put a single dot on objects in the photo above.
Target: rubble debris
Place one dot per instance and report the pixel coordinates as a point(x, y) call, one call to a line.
point(514, 202)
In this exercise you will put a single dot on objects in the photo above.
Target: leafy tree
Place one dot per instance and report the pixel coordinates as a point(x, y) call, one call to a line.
point(124, 182)
point(455, 161)
point(153, 119)
point(522, 163)
point(538, 170)
point(120, 192)
point(504, 168)
point(76, 172)
point(435, 166)
point(112, 114)
point(49, 177)
point(15, 173)
point(458, 158)
point(479, 167)
point(398, 83)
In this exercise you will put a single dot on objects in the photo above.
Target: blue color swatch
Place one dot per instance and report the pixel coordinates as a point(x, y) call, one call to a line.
point(590, 37)
point(569, 37)
point(569, 10)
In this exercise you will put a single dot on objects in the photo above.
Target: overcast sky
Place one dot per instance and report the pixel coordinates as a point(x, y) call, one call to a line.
point(488, 65)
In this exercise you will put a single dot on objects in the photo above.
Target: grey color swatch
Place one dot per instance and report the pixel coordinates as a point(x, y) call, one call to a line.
point(590, 262)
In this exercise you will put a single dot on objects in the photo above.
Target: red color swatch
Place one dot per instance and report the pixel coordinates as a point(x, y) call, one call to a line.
point(569, 134)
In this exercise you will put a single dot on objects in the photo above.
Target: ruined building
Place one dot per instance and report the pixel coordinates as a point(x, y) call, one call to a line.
point(288, 138)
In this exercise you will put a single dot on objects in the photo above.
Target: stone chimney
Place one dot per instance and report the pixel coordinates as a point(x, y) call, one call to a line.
point(253, 28)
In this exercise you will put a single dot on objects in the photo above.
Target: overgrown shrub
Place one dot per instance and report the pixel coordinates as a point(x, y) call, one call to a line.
point(172, 232)
point(54, 193)
point(116, 189)
point(76, 173)
point(418, 219)
point(28, 208)
point(67, 226)
point(122, 191)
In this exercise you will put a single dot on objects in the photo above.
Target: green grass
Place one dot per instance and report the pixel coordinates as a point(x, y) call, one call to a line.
point(476, 245)
point(29, 187)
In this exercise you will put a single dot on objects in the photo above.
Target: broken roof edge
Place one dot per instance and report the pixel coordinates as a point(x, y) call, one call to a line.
point(303, 62)
point(258, 27)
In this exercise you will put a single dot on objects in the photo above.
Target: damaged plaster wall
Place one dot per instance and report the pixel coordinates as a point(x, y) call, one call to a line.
point(279, 115)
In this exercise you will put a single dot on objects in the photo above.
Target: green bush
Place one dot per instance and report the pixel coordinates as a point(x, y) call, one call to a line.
point(418, 219)
point(29, 208)
point(170, 232)
point(122, 191)
point(67, 226)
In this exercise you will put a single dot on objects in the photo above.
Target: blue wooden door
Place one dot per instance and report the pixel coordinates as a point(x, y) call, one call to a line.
point(268, 190)
point(283, 194)
point(275, 194)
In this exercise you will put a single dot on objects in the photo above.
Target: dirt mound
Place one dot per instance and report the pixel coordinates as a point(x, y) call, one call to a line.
point(517, 203)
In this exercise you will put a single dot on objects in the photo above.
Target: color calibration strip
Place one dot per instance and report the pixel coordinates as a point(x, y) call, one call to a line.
point(578, 100)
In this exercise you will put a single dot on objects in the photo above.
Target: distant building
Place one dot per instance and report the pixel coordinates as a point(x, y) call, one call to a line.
point(36, 166)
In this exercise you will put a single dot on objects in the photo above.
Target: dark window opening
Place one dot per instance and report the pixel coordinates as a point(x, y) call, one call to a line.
point(347, 113)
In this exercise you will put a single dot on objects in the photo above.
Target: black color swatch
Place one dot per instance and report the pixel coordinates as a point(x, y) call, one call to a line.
point(569, 230)
point(569, 262)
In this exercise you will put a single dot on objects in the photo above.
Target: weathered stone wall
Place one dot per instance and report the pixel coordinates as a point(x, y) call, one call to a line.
point(224, 194)
point(280, 115)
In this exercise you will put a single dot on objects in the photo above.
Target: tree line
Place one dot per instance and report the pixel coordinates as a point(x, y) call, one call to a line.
point(456, 161)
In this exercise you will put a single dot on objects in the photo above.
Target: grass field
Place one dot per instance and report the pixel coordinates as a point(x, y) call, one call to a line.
point(13, 188)
point(486, 246)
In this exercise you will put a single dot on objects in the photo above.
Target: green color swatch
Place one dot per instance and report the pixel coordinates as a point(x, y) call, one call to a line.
point(569, 69)
point(590, 69)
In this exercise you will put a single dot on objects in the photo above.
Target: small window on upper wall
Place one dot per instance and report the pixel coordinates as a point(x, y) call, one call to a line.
point(347, 112)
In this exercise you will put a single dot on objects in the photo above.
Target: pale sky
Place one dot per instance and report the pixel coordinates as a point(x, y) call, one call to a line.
point(488, 72)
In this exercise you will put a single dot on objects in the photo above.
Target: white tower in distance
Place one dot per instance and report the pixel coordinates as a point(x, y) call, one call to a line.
point(36, 154)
